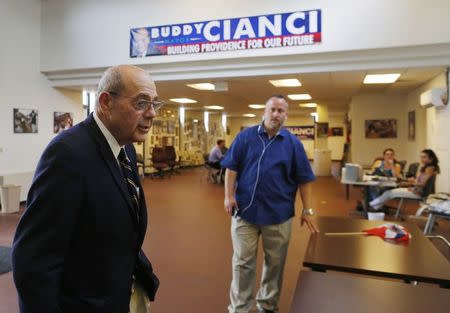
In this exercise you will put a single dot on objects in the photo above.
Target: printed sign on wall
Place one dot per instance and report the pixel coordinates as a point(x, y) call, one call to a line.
point(265, 31)
point(302, 132)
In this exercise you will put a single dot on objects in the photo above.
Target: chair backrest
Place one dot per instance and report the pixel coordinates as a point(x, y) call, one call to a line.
point(139, 158)
point(170, 153)
point(402, 164)
point(158, 155)
point(430, 187)
point(412, 170)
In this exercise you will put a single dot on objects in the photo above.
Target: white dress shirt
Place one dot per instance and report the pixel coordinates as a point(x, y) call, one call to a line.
point(112, 142)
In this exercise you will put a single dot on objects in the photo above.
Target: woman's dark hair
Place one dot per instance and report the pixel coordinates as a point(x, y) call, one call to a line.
point(434, 161)
point(388, 149)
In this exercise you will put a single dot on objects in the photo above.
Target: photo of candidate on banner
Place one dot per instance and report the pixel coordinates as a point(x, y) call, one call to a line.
point(265, 31)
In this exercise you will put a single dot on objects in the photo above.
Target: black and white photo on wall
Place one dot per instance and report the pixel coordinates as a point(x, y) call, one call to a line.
point(25, 121)
point(412, 125)
point(62, 121)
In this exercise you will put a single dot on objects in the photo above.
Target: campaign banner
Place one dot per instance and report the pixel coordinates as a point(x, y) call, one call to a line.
point(256, 32)
point(302, 132)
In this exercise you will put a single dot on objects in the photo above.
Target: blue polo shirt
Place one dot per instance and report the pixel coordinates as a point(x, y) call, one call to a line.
point(268, 174)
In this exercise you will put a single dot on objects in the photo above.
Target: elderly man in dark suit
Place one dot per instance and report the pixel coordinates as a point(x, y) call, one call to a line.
point(77, 247)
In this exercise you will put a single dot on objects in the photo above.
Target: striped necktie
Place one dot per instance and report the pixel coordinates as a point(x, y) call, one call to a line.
point(128, 176)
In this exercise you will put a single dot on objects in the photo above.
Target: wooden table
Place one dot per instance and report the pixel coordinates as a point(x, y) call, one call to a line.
point(416, 260)
point(339, 293)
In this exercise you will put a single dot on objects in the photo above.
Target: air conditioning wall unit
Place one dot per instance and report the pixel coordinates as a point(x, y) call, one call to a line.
point(433, 97)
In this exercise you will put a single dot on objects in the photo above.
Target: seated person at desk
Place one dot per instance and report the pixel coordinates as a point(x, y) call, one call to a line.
point(413, 188)
point(216, 155)
point(387, 167)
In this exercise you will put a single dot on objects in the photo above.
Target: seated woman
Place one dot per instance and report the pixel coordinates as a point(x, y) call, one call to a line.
point(413, 188)
point(386, 166)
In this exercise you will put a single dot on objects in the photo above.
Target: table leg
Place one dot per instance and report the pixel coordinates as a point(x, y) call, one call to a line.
point(347, 191)
point(366, 198)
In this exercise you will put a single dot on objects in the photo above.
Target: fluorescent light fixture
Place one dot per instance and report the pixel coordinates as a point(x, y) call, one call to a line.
point(315, 115)
point(195, 120)
point(168, 111)
point(257, 106)
point(206, 119)
point(308, 105)
point(92, 96)
point(291, 82)
point(381, 78)
point(202, 86)
point(85, 98)
point(182, 114)
point(301, 96)
point(224, 121)
point(214, 107)
point(183, 100)
point(249, 115)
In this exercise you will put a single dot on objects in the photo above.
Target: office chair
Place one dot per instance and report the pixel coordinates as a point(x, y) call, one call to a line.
point(159, 160)
point(171, 158)
point(428, 189)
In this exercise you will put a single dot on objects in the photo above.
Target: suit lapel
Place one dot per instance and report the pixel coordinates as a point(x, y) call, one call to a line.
point(111, 162)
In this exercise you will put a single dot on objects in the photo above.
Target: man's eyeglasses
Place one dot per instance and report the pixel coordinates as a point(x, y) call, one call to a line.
point(141, 104)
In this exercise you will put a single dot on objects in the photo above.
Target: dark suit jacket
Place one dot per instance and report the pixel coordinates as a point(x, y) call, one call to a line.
point(78, 243)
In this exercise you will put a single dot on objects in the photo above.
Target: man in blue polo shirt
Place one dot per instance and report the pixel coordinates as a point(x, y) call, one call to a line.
point(265, 165)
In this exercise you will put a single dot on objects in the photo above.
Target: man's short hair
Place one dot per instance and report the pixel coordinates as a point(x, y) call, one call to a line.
point(111, 81)
point(220, 141)
point(278, 96)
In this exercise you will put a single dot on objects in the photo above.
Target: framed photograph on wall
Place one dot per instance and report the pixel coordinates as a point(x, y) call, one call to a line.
point(337, 131)
point(322, 130)
point(25, 121)
point(412, 125)
point(386, 128)
point(62, 121)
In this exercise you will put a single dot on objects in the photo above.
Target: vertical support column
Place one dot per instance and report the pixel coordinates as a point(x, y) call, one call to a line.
point(322, 154)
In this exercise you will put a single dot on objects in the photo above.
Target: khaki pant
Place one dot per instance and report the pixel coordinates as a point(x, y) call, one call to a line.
point(275, 242)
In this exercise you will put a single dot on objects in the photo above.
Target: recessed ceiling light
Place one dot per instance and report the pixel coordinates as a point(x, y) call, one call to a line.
point(292, 82)
point(195, 121)
point(183, 100)
point(308, 105)
point(302, 96)
point(214, 107)
point(249, 115)
point(168, 111)
point(381, 78)
point(202, 86)
point(173, 115)
point(257, 106)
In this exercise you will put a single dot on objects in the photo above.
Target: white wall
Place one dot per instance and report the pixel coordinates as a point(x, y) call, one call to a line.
point(86, 34)
point(372, 106)
point(434, 129)
point(335, 144)
point(23, 86)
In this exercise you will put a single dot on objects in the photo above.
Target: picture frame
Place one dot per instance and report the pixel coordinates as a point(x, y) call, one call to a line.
point(322, 130)
point(62, 121)
point(336, 132)
point(381, 129)
point(412, 125)
point(25, 121)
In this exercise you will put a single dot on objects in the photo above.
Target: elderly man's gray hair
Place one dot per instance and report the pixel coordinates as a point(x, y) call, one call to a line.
point(111, 81)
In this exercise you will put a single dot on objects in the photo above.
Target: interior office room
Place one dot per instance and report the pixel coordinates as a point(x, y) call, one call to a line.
point(365, 89)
